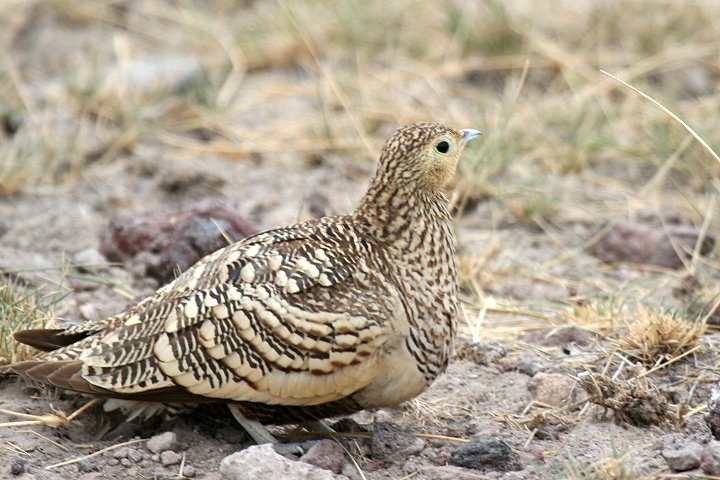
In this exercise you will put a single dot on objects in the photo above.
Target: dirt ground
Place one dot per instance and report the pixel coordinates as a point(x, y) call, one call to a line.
point(546, 307)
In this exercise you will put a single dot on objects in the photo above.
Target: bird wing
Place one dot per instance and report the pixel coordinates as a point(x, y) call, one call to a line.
point(292, 316)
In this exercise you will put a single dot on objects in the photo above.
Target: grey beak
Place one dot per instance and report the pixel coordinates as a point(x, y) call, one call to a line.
point(469, 134)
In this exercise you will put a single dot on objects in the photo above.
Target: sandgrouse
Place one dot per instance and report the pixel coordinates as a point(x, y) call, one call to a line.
point(318, 319)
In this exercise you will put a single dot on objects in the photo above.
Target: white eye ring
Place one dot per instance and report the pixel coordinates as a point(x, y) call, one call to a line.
point(443, 146)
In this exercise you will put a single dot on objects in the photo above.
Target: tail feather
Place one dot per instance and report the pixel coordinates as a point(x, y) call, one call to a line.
point(49, 339)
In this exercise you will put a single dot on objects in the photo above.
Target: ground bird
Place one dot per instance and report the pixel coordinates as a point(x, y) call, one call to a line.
point(295, 324)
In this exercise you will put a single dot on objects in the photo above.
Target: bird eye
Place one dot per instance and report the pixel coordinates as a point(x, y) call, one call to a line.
point(442, 147)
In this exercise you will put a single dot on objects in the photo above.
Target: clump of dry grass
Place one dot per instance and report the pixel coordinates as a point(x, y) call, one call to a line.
point(637, 402)
point(652, 336)
point(20, 310)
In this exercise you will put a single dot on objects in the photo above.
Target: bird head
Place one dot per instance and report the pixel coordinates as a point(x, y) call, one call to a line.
point(423, 155)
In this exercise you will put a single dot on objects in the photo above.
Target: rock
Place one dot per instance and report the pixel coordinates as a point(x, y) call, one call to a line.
point(261, 461)
point(125, 462)
point(121, 453)
point(161, 442)
point(391, 441)
point(89, 260)
point(189, 471)
point(134, 455)
point(664, 246)
point(88, 465)
point(697, 430)
point(683, 457)
point(26, 444)
point(163, 241)
point(710, 458)
point(530, 363)
point(326, 454)
point(169, 457)
point(484, 452)
point(18, 466)
point(553, 389)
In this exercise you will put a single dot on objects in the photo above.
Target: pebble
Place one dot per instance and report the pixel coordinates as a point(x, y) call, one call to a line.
point(88, 465)
point(135, 455)
point(125, 462)
point(161, 442)
point(169, 457)
point(112, 461)
point(481, 453)
point(18, 466)
point(155, 457)
point(261, 461)
point(683, 457)
point(189, 471)
point(710, 459)
point(553, 389)
point(121, 453)
point(326, 454)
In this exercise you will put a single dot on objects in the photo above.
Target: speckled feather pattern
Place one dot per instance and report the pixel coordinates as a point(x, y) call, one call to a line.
point(316, 319)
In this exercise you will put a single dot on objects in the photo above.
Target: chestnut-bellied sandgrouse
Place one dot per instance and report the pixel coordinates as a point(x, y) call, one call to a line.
point(322, 318)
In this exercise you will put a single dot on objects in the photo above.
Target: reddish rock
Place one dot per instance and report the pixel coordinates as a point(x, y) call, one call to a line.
point(166, 241)
point(664, 246)
point(326, 454)
point(554, 389)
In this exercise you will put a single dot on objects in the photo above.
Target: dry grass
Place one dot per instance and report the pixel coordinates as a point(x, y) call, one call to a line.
point(20, 309)
point(653, 336)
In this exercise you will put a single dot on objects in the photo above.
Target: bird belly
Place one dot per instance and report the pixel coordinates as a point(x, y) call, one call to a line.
point(398, 380)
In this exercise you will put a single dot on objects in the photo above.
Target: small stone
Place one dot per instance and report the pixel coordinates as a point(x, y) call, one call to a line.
point(18, 466)
point(189, 471)
point(155, 457)
point(135, 455)
point(481, 453)
point(160, 443)
point(88, 465)
point(326, 454)
point(392, 441)
point(683, 457)
point(261, 461)
point(89, 260)
point(112, 461)
point(383, 416)
point(125, 462)
point(710, 459)
point(169, 457)
point(530, 363)
point(120, 453)
point(26, 444)
point(553, 389)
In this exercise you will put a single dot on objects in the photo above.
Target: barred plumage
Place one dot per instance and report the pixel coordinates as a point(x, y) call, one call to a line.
point(317, 319)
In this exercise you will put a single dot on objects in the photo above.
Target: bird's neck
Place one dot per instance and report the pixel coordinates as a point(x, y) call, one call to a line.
point(394, 215)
